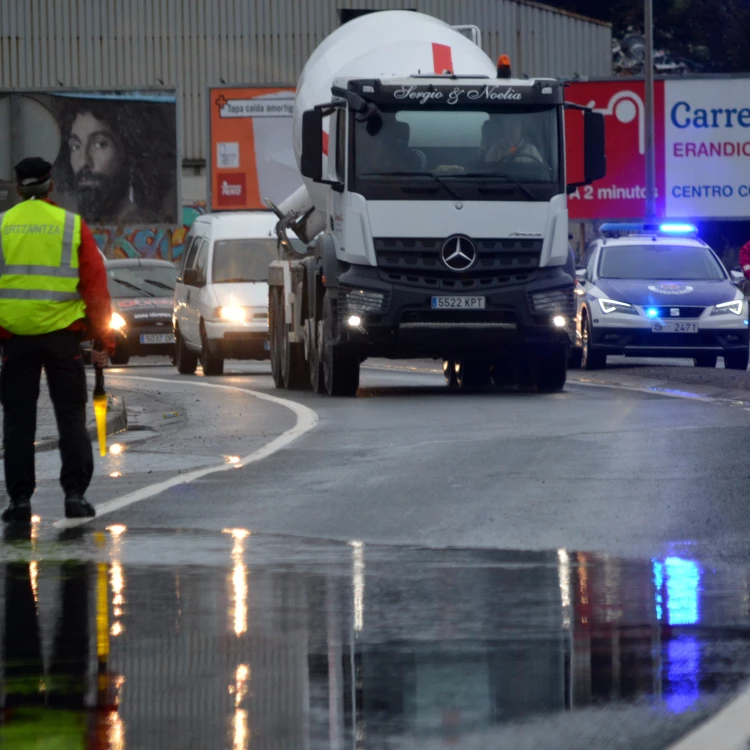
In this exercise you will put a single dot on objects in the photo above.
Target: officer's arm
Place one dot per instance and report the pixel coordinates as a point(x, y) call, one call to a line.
point(745, 259)
point(94, 290)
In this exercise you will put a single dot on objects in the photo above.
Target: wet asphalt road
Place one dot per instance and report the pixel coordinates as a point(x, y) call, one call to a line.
point(420, 569)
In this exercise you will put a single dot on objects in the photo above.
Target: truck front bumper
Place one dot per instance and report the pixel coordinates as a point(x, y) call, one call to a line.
point(397, 320)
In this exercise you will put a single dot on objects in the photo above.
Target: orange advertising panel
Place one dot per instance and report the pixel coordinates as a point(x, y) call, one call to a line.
point(251, 147)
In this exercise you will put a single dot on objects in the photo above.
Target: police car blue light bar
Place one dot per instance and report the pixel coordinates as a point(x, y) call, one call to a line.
point(667, 228)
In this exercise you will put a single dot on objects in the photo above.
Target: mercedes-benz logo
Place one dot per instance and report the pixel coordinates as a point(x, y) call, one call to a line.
point(458, 253)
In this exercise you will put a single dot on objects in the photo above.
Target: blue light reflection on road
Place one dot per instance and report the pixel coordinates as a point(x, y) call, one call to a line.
point(677, 586)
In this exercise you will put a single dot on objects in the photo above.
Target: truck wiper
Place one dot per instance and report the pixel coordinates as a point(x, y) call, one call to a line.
point(504, 175)
point(437, 179)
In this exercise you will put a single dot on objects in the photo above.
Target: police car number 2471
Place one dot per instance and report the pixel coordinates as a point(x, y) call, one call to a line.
point(458, 303)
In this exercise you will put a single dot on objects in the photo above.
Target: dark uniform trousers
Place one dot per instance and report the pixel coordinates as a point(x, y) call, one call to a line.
point(59, 353)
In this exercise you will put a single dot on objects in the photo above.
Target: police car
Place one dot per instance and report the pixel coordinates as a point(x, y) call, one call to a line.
point(657, 291)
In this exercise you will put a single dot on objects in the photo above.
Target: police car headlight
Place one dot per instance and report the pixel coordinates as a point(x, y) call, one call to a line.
point(611, 305)
point(117, 322)
point(734, 307)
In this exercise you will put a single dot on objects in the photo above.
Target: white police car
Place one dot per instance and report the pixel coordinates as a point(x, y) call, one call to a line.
point(657, 291)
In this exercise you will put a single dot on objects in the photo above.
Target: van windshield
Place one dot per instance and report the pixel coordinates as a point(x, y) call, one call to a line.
point(243, 260)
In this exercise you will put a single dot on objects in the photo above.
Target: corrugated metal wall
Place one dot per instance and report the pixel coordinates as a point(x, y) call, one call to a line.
point(191, 44)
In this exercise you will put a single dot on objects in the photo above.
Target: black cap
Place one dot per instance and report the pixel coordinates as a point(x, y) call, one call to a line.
point(33, 171)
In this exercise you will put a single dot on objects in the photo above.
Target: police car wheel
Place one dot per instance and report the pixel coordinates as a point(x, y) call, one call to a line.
point(705, 360)
point(591, 359)
point(737, 360)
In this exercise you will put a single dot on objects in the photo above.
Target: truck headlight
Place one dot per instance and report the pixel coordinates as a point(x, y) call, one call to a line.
point(611, 305)
point(232, 313)
point(734, 307)
point(361, 301)
point(117, 322)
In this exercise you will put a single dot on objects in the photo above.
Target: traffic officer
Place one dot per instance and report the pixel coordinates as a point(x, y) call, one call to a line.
point(53, 294)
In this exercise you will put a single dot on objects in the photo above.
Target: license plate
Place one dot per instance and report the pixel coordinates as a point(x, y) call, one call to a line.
point(157, 338)
point(673, 326)
point(458, 303)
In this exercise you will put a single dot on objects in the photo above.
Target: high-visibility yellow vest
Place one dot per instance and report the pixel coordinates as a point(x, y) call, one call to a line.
point(39, 279)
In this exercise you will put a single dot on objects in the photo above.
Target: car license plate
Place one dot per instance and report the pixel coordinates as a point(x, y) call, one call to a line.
point(673, 326)
point(458, 303)
point(157, 338)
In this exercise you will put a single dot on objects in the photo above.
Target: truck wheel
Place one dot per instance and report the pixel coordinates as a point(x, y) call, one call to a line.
point(472, 373)
point(449, 372)
point(315, 360)
point(552, 371)
point(212, 364)
point(340, 362)
point(502, 373)
point(591, 358)
point(737, 360)
point(705, 360)
point(120, 357)
point(276, 334)
point(185, 360)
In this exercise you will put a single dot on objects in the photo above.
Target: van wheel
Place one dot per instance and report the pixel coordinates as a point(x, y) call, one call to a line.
point(340, 362)
point(212, 365)
point(185, 360)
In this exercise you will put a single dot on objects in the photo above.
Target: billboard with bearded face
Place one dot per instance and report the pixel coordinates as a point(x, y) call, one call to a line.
point(114, 154)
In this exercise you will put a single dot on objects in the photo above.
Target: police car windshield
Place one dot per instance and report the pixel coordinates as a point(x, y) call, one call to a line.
point(660, 262)
point(129, 282)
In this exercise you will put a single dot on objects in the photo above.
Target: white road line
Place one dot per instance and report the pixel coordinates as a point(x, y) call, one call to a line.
point(307, 419)
point(726, 730)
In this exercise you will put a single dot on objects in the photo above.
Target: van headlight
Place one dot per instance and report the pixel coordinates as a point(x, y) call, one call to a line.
point(734, 308)
point(231, 313)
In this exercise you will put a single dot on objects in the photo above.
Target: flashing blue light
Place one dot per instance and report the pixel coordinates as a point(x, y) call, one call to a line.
point(678, 228)
point(652, 312)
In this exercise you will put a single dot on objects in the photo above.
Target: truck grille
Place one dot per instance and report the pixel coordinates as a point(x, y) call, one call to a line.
point(417, 262)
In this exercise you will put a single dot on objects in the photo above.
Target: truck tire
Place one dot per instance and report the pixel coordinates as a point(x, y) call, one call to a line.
point(591, 358)
point(276, 334)
point(293, 366)
point(315, 358)
point(737, 360)
point(576, 358)
point(552, 372)
point(340, 362)
point(449, 373)
point(185, 361)
point(503, 373)
point(212, 364)
point(472, 373)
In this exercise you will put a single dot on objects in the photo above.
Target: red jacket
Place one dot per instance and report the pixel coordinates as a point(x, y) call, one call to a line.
point(745, 259)
point(93, 288)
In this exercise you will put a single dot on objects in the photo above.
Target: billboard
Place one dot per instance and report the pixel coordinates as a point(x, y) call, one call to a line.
point(702, 149)
point(251, 155)
point(115, 155)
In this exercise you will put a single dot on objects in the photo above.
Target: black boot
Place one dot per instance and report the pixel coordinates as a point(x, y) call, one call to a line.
point(19, 511)
point(76, 506)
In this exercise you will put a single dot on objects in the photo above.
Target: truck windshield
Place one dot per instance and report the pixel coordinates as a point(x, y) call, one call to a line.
point(498, 154)
point(660, 262)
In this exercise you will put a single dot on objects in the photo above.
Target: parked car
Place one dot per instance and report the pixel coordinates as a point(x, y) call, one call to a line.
point(221, 295)
point(142, 292)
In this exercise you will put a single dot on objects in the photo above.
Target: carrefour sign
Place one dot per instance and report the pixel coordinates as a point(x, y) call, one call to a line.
point(702, 129)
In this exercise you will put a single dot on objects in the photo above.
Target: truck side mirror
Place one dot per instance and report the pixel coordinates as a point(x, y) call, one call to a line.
point(594, 145)
point(311, 160)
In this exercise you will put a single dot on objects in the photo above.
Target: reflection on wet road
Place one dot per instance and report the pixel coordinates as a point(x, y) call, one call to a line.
point(174, 639)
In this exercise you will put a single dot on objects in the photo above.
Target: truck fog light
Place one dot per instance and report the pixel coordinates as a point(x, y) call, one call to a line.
point(559, 321)
point(360, 301)
point(354, 321)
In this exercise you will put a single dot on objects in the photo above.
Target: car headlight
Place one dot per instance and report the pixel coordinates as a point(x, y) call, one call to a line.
point(232, 313)
point(611, 305)
point(734, 307)
point(117, 322)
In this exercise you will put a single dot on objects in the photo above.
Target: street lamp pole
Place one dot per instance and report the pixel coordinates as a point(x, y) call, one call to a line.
point(649, 107)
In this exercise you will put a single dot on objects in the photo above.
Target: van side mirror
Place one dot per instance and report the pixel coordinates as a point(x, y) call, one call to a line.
point(594, 147)
point(581, 275)
point(191, 277)
point(311, 159)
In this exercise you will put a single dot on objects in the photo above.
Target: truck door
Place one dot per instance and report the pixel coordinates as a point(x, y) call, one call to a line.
point(337, 172)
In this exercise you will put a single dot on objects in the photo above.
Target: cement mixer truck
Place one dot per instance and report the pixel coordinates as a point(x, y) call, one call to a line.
point(434, 210)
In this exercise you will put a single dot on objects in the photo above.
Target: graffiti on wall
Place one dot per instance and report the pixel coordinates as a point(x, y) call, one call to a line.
point(144, 242)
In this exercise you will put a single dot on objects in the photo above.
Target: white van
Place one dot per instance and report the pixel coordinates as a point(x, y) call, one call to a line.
point(221, 295)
